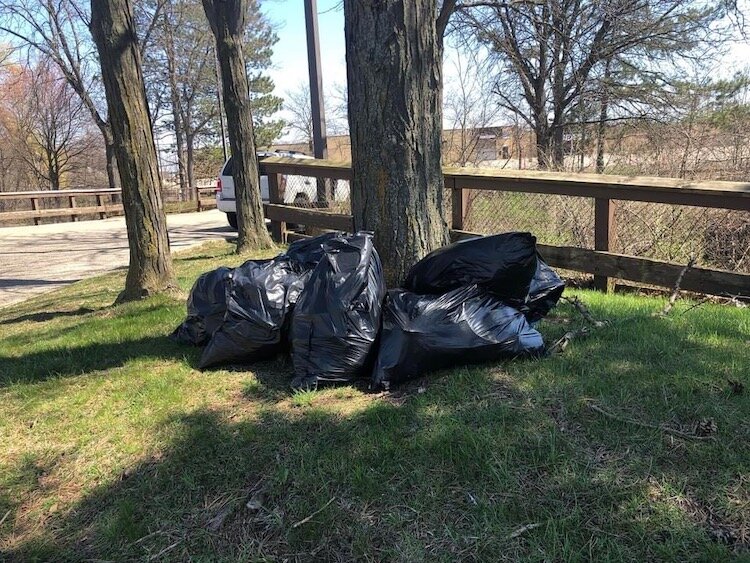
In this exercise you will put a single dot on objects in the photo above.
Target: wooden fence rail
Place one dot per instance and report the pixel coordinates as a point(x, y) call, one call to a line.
point(604, 189)
point(107, 203)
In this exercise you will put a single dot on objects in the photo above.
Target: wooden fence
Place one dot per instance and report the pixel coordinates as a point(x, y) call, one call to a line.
point(107, 203)
point(604, 189)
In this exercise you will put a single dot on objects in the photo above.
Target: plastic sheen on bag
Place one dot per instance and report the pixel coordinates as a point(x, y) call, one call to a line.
point(205, 308)
point(544, 292)
point(336, 320)
point(259, 299)
point(423, 333)
point(306, 253)
point(502, 264)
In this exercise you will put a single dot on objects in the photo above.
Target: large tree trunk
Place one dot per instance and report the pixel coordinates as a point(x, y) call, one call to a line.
point(543, 145)
point(394, 52)
point(150, 269)
point(558, 147)
point(227, 20)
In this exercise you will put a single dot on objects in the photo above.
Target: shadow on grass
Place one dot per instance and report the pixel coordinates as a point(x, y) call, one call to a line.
point(448, 474)
point(47, 316)
point(53, 363)
point(426, 479)
point(239, 491)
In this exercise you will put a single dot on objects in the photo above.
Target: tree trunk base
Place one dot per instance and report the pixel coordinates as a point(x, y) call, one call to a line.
point(139, 293)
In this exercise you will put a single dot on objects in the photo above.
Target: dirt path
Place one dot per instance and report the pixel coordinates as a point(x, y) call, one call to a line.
point(45, 257)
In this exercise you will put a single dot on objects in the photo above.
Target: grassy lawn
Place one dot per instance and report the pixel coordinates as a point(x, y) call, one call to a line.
point(114, 447)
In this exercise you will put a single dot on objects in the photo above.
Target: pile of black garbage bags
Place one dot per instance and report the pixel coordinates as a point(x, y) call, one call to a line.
point(324, 301)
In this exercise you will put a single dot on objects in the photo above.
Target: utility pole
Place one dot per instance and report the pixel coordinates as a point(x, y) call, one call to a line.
point(320, 144)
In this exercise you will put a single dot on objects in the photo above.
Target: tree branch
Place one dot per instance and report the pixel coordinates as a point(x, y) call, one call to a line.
point(446, 10)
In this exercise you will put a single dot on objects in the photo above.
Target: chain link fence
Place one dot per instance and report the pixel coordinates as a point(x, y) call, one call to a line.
point(717, 238)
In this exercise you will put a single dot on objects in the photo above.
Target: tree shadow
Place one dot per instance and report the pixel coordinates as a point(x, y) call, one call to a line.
point(446, 473)
point(400, 480)
point(93, 357)
point(43, 316)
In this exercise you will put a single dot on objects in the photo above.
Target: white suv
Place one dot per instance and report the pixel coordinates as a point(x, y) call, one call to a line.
point(296, 190)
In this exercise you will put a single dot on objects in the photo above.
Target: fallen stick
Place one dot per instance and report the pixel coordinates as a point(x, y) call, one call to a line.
point(522, 530)
point(313, 515)
point(676, 291)
point(560, 345)
point(163, 551)
point(2, 520)
point(666, 429)
point(584, 311)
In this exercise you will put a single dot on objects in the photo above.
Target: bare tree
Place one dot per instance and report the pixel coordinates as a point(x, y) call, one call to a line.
point(58, 30)
point(394, 55)
point(470, 108)
point(549, 54)
point(52, 124)
point(150, 268)
point(297, 105)
point(227, 19)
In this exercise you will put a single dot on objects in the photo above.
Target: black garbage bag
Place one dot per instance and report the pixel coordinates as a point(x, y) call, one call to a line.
point(422, 333)
point(502, 264)
point(260, 295)
point(336, 320)
point(308, 252)
point(205, 308)
point(544, 293)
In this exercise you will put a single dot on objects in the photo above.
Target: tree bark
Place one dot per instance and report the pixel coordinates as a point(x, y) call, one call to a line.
point(394, 52)
point(109, 148)
point(558, 147)
point(52, 172)
point(150, 269)
point(190, 152)
point(601, 129)
point(227, 20)
point(174, 98)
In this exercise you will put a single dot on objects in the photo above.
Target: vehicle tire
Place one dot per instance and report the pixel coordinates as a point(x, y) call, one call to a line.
point(232, 220)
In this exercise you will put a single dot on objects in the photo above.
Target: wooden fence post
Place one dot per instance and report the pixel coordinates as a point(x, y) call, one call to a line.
point(459, 205)
point(35, 207)
point(100, 203)
point(73, 217)
point(199, 206)
point(604, 233)
point(278, 228)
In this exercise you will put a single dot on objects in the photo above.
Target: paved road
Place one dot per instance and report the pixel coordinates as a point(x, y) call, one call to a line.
point(41, 258)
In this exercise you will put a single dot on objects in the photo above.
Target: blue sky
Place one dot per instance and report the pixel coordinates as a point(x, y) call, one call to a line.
point(290, 53)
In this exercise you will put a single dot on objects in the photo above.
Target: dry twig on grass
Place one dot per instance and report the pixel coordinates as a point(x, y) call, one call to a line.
point(313, 515)
point(663, 428)
point(561, 344)
point(676, 291)
point(584, 311)
point(522, 530)
point(165, 550)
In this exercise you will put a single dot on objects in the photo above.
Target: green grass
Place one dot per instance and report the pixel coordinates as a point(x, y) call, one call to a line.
point(114, 447)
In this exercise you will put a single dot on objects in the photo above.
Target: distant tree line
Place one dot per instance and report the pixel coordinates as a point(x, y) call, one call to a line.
point(181, 77)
